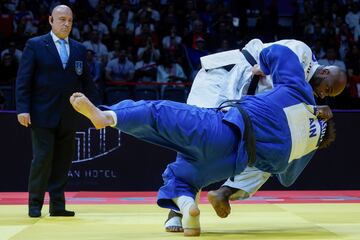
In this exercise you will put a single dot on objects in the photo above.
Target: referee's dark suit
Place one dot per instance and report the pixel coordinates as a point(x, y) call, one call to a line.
point(43, 88)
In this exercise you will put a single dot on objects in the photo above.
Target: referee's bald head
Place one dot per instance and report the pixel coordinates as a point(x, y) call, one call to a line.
point(61, 20)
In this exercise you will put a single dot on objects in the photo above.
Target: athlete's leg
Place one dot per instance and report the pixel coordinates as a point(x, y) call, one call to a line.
point(180, 197)
point(174, 221)
point(193, 131)
point(207, 143)
point(191, 214)
point(239, 187)
point(219, 200)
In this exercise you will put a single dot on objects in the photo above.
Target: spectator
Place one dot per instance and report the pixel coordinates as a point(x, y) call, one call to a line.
point(125, 37)
point(142, 37)
point(194, 55)
point(96, 25)
point(75, 33)
point(207, 16)
point(314, 31)
point(25, 17)
point(129, 24)
point(13, 51)
point(145, 69)
point(93, 4)
point(169, 17)
point(115, 52)
point(172, 41)
point(147, 11)
point(318, 49)
point(120, 69)
point(331, 59)
point(353, 66)
point(168, 71)
point(353, 16)
point(104, 10)
point(328, 29)
point(42, 16)
point(94, 68)
point(186, 26)
point(8, 69)
point(144, 27)
point(124, 16)
point(224, 31)
point(23, 13)
point(224, 46)
point(6, 23)
point(357, 33)
point(351, 58)
point(95, 44)
point(344, 40)
point(29, 28)
point(150, 48)
point(134, 4)
point(354, 81)
point(190, 18)
point(11, 6)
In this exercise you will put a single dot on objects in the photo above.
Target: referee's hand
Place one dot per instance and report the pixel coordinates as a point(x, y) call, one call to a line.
point(24, 119)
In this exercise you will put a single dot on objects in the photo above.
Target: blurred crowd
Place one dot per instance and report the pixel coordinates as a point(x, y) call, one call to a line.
point(147, 41)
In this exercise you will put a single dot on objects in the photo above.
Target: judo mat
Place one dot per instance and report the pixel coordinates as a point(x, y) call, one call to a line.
point(135, 215)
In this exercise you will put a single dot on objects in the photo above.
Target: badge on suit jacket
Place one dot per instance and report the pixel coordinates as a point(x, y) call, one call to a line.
point(79, 67)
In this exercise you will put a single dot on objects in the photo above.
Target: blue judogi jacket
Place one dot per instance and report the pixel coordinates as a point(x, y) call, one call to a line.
point(286, 128)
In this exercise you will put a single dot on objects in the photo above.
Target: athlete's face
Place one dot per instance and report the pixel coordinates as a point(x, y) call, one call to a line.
point(329, 82)
point(61, 20)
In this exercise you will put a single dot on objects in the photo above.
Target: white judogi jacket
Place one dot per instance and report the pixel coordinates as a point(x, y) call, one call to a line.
point(213, 85)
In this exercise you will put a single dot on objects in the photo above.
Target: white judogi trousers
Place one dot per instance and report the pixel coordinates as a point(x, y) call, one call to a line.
point(213, 85)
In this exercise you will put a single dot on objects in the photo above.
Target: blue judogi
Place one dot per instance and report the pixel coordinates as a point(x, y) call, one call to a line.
point(280, 116)
point(210, 143)
point(200, 136)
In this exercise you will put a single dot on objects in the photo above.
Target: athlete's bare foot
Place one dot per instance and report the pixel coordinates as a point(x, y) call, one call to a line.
point(220, 203)
point(82, 104)
point(173, 223)
point(191, 222)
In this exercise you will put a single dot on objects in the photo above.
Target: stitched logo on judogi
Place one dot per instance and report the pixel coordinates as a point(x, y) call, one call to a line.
point(78, 67)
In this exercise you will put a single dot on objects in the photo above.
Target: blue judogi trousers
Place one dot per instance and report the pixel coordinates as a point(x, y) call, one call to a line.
point(206, 144)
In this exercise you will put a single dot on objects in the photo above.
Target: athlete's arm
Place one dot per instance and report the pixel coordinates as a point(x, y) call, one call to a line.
point(283, 65)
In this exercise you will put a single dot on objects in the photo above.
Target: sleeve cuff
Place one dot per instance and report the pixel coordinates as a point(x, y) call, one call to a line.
point(114, 117)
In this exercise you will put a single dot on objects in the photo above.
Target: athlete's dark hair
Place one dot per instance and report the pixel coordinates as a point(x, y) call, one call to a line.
point(329, 136)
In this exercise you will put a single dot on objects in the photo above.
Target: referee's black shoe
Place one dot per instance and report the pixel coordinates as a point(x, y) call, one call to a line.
point(62, 213)
point(34, 212)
